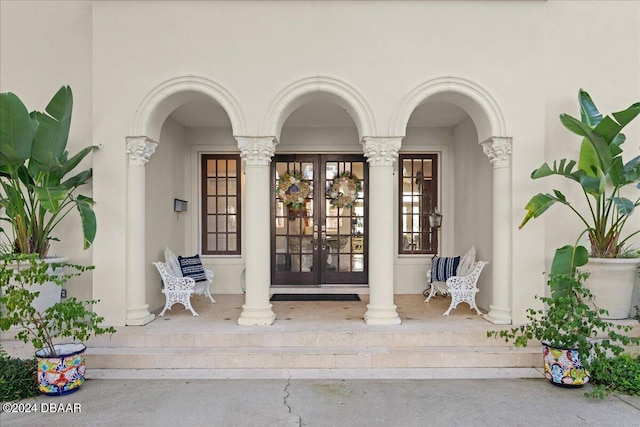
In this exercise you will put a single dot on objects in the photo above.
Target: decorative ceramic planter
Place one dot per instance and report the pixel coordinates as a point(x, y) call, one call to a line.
point(49, 291)
point(611, 282)
point(563, 367)
point(61, 374)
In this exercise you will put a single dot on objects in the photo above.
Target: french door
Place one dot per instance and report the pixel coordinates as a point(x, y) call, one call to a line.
point(319, 243)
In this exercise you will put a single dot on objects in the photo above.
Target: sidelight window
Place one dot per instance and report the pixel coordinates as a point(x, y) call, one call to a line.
point(220, 204)
point(418, 185)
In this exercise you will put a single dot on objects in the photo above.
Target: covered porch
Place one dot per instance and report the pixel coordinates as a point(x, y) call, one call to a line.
point(322, 339)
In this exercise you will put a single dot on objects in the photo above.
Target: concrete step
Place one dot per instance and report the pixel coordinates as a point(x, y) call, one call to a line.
point(292, 373)
point(299, 339)
point(312, 357)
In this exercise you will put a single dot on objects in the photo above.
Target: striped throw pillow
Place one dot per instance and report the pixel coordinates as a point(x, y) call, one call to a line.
point(443, 268)
point(191, 266)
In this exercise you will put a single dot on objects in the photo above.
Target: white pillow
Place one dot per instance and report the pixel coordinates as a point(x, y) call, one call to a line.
point(172, 262)
point(467, 262)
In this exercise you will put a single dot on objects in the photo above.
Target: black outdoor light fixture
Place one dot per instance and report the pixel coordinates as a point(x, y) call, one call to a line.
point(435, 218)
point(179, 205)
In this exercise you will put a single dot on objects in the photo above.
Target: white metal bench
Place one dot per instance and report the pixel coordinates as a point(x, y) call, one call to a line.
point(178, 289)
point(462, 287)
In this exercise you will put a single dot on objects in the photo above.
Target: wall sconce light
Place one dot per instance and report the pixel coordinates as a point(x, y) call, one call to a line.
point(435, 218)
point(179, 205)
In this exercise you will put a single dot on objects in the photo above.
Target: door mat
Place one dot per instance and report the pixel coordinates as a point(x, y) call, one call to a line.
point(315, 297)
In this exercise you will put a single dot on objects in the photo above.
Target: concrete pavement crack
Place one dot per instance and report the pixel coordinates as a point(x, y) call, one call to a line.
point(626, 401)
point(286, 402)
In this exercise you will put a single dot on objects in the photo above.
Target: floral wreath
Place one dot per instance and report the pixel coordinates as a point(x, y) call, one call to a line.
point(293, 189)
point(344, 190)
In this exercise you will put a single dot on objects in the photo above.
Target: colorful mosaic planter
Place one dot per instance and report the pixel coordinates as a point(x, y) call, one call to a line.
point(61, 374)
point(563, 367)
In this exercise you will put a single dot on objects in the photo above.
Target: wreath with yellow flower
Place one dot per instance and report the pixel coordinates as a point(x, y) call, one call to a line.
point(293, 189)
point(344, 190)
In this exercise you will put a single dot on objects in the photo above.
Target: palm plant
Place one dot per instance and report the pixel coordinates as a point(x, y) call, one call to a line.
point(601, 174)
point(33, 165)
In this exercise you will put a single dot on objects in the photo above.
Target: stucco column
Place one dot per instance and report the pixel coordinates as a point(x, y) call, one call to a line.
point(498, 149)
point(380, 154)
point(139, 150)
point(257, 153)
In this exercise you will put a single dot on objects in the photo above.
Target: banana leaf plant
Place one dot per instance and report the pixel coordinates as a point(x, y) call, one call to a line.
point(564, 266)
point(601, 174)
point(34, 164)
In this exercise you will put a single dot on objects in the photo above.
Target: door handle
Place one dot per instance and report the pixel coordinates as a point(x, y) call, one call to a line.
point(315, 240)
point(324, 240)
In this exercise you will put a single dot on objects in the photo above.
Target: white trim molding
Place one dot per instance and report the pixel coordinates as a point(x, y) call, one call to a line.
point(163, 99)
point(471, 97)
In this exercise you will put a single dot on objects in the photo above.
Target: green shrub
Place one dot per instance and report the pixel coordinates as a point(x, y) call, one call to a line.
point(17, 378)
point(620, 374)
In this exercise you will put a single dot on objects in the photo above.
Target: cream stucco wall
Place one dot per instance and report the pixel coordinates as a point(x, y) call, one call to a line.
point(530, 56)
point(165, 177)
point(43, 47)
point(473, 192)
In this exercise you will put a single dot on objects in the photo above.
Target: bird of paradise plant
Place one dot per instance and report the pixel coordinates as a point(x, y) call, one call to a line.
point(601, 174)
point(34, 162)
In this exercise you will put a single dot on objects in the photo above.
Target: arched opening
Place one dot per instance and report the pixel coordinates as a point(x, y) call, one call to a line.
point(320, 244)
point(182, 119)
point(442, 128)
point(313, 90)
point(194, 129)
point(479, 214)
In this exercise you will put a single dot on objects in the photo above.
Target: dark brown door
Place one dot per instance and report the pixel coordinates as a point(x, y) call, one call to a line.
point(319, 243)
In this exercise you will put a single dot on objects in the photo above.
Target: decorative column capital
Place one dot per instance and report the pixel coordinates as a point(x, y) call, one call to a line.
point(498, 149)
point(256, 151)
point(140, 149)
point(381, 151)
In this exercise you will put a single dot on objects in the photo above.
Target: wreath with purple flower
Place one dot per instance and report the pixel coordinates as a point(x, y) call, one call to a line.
point(344, 190)
point(293, 189)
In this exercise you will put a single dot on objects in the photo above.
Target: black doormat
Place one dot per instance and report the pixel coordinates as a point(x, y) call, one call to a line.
point(315, 297)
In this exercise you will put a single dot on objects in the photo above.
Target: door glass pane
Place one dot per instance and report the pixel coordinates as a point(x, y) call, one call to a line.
point(358, 169)
point(281, 244)
point(331, 170)
point(345, 263)
point(344, 225)
point(307, 263)
point(357, 263)
point(295, 262)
